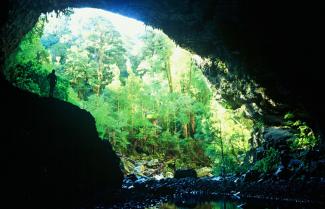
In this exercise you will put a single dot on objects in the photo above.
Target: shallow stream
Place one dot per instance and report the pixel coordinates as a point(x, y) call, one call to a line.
point(228, 204)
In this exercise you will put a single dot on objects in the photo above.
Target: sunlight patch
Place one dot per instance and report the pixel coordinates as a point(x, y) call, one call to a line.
point(150, 98)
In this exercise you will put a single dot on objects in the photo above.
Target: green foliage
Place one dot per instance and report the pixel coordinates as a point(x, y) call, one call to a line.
point(155, 102)
point(305, 138)
point(28, 66)
point(289, 116)
point(229, 140)
point(270, 161)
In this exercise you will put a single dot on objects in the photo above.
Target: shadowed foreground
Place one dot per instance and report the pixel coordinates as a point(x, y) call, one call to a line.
point(52, 154)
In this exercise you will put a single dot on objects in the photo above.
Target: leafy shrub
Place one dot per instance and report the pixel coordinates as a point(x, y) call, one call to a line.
point(269, 162)
point(304, 138)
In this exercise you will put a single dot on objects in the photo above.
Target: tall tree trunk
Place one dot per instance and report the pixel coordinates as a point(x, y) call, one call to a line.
point(100, 64)
point(234, 153)
point(189, 80)
point(192, 119)
point(132, 120)
point(185, 130)
point(191, 115)
point(222, 153)
point(169, 75)
point(175, 124)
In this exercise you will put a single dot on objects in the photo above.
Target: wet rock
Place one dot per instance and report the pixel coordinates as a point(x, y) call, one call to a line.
point(184, 173)
point(274, 136)
point(295, 164)
point(236, 195)
point(152, 163)
point(217, 178)
point(149, 172)
point(259, 153)
point(281, 172)
point(148, 192)
point(141, 180)
point(158, 177)
point(128, 181)
point(132, 177)
point(139, 169)
point(251, 175)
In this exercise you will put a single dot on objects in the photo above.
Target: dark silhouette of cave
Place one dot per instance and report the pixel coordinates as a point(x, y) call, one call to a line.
point(279, 44)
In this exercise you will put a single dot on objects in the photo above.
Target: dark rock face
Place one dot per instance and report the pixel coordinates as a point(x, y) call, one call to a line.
point(184, 173)
point(280, 43)
point(251, 175)
point(52, 154)
point(276, 135)
point(267, 41)
point(294, 164)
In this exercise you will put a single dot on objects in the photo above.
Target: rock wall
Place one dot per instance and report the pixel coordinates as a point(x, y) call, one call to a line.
point(278, 43)
point(52, 155)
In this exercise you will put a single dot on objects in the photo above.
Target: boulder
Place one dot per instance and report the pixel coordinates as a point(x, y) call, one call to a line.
point(281, 172)
point(295, 164)
point(274, 136)
point(149, 172)
point(259, 153)
point(132, 177)
point(251, 175)
point(158, 177)
point(52, 152)
point(153, 162)
point(127, 166)
point(185, 173)
point(128, 181)
point(139, 169)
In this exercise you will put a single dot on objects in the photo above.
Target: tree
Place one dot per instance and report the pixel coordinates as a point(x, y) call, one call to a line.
point(164, 108)
point(94, 51)
point(158, 50)
point(29, 65)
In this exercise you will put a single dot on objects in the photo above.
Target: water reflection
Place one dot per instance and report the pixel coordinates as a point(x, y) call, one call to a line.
point(205, 205)
point(224, 204)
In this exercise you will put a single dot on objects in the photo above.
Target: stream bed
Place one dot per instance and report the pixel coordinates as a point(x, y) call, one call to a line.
point(230, 204)
point(217, 192)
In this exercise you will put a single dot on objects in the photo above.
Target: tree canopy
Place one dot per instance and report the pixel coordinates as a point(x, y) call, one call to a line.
point(149, 97)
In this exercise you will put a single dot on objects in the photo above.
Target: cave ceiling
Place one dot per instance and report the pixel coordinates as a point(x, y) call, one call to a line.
point(279, 44)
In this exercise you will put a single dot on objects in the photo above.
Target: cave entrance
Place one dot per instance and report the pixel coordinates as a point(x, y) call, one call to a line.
point(149, 97)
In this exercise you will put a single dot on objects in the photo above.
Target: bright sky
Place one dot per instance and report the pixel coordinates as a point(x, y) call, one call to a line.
point(125, 25)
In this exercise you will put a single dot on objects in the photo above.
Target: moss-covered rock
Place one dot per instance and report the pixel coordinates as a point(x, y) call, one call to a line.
point(203, 172)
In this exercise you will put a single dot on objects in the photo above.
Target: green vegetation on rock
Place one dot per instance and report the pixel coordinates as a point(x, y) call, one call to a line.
point(149, 97)
point(305, 138)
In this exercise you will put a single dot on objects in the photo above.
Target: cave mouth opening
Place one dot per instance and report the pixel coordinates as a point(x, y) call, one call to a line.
point(150, 98)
